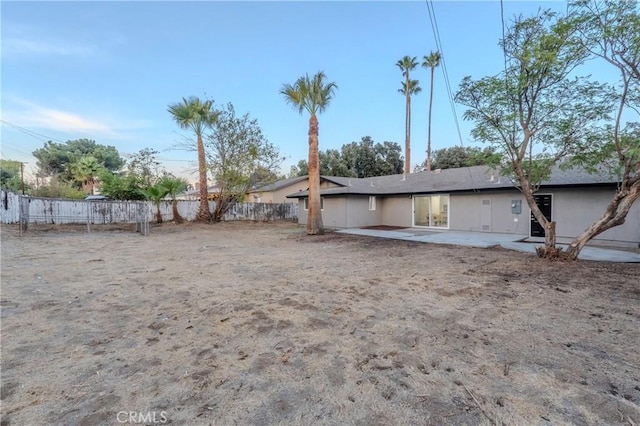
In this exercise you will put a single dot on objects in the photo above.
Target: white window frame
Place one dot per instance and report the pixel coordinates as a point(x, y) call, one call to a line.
point(306, 204)
point(372, 202)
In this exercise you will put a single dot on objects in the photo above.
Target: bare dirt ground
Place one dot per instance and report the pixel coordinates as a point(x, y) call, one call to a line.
point(258, 324)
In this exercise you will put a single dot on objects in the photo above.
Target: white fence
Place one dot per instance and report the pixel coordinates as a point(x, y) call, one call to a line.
point(57, 211)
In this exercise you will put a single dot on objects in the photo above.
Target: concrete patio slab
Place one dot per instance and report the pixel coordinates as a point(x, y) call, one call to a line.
point(485, 239)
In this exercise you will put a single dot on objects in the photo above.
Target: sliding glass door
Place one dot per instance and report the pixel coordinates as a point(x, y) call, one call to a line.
point(431, 211)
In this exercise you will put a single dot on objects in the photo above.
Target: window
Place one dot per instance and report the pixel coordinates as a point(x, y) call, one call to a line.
point(372, 202)
point(306, 203)
point(431, 211)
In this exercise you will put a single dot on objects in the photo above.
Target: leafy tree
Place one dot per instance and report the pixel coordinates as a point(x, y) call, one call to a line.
point(145, 167)
point(156, 194)
point(311, 94)
point(409, 88)
point(54, 159)
point(432, 61)
point(610, 31)
point(198, 116)
point(358, 159)
point(173, 186)
point(121, 186)
point(301, 169)
point(10, 176)
point(239, 157)
point(534, 112)
point(461, 156)
point(58, 189)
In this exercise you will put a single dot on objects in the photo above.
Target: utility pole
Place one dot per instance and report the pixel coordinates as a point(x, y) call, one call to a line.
point(22, 177)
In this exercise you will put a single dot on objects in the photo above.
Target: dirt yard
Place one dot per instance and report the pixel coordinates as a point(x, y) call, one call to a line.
point(258, 324)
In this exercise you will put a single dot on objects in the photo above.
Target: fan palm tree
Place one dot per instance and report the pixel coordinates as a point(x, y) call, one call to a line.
point(431, 61)
point(409, 87)
point(197, 115)
point(311, 94)
point(85, 171)
point(173, 186)
point(156, 194)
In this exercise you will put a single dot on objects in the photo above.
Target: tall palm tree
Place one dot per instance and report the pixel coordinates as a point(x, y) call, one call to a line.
point(197, 115)
point(431, 61)
point(409, 87)
point(173, 186)
point(311, 94)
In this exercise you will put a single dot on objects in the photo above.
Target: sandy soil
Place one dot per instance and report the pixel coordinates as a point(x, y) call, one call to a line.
point(258, 324)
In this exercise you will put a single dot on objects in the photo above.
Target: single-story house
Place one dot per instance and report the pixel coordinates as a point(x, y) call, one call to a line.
point(473, 199)
point(277, 192)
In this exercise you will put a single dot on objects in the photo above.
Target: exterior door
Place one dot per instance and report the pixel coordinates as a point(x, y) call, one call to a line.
point(544, 203)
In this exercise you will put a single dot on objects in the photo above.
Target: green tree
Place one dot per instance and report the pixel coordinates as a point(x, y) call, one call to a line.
point(311, 94)
point(198, 116)
point(54, 159)
point(56, 188)
point(121, 186)
point(432, 61)
point(145, 166)
point(85, 172)
point(464, 156)
point(174, 186)
point(239, 157)
point(10, 176)
point(534, 112)
point(156, 194)
point(408, 89)
point(358, 159)
point(610, 31)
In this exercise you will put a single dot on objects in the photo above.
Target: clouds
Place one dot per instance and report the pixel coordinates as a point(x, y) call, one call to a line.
point(27, 114)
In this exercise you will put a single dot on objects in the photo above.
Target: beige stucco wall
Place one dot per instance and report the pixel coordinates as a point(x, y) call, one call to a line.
point(572, 209)
point(358, 214)
point(396, 211)
point(466, 213)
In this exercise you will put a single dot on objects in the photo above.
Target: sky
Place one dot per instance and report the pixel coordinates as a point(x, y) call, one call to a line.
point(108, 70)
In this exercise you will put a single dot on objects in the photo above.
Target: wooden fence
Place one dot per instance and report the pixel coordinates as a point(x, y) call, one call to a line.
point(58, 211)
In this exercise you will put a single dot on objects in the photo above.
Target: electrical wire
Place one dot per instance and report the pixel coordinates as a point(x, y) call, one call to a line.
point(31, 133)
point(436, 35)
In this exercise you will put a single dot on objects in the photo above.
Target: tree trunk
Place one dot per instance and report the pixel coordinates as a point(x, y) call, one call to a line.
point(314, 218)
point(548, 226)
point(615, 214)
point(158, 214)
point(429, 128)
point(222, 205)
point(203, 212)
point(407, 125)
point(176, 214)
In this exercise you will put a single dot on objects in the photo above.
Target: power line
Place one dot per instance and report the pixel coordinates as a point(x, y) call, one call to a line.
point(436, 35)
point(31, 133)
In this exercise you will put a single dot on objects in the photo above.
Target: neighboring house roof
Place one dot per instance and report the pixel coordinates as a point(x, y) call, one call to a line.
point(292, 181)
point(452, 180)
point(279, 184)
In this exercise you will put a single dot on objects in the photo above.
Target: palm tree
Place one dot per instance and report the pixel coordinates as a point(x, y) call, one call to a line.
point(197, 115)
point(156, 194)
point(85, 171)
point(173, 186)
point(312, 95)
point(409, 87)
point(431, 61)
